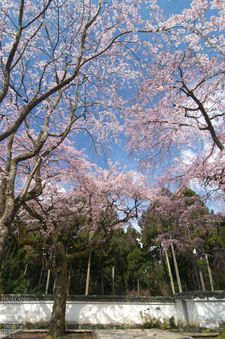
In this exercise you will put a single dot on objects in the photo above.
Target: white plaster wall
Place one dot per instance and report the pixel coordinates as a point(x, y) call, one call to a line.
point(25, 311)
point(94, 313)
point(192, 313)
point(195, 312)
point(182, 314)
point(118, 313)
point(211, 313)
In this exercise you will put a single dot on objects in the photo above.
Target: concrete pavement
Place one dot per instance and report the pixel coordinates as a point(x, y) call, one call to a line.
point(138, 334)
point(5, 334)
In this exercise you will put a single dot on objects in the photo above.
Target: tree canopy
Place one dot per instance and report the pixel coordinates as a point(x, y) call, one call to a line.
point(177, 117)
point(70, 68)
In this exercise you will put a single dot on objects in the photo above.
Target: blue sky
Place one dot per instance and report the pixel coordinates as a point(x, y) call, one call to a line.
point(173, 6)
point(117, 152)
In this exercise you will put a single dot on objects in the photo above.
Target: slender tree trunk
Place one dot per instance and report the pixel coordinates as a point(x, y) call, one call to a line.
point(57, 323)
point(39, 281)
point(123, 288)
point(202, 279)
point(113, 279)
point(5, 225)
point(79, 279)
point(9, 206)
point(25, 271)
point(88, 275)
point(138, 286)
point(210, 272)
point(93, 285)
point(47, 281)
point(54, 285)
point(167, 278)
point(69, 279)
point(6, 214)
point(176, 269)
point(170, 272)
point(194, 282)
point(196, 274)
point(102, 278)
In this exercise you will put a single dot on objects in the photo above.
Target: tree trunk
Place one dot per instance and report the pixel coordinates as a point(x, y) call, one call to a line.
point(9, 205)
point(170, 273)
point(40, 278)
point(196, 273)
point(167, 280)
point(54, 284)
point(210, 272)
point(176, 269)
point(4, 234)
point(88, 275)
point(47, 281)
point(69, 279)
point(25, 271)
point(138, 286)
point(202, 279)
point(57, 323)
point(102, 278)
point(113, 279)
point(194, 280)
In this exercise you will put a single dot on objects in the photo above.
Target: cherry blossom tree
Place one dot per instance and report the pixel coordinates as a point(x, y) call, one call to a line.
point(78, 211)
point(181, 222)
point(176, 122)
point(63, 65)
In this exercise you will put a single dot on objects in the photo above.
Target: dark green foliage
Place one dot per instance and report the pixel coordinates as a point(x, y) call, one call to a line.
point(137, 258)
point(152, 323)
point(12, 276)
point(19, 274)
point(172, 323)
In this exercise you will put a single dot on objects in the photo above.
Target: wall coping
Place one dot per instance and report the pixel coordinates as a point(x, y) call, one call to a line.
point(198, 295)
point(192, 295)
point(85, 298)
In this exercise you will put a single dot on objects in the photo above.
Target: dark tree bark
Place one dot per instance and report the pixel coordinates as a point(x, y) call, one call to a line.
point(57, 323)
point(9, 203)
point(69, 279)
point(102, 277)
point(88, 275)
